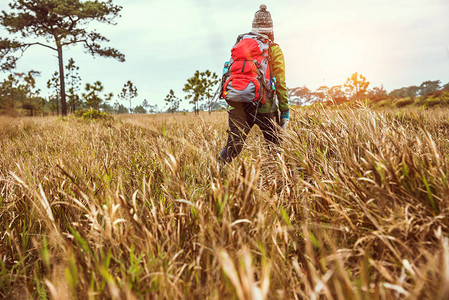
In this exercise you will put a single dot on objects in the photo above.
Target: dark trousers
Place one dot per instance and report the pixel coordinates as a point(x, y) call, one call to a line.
point(241, 120)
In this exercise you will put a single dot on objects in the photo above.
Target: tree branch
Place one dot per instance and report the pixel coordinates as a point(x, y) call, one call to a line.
point(40, 44)
point(74, 42)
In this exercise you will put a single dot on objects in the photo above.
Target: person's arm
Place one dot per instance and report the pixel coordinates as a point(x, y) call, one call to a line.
point(278, 64)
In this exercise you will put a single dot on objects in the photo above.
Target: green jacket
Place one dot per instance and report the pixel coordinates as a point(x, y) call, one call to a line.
point(278, 63)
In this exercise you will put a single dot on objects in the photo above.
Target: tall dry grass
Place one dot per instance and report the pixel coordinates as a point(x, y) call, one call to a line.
point(353, 206)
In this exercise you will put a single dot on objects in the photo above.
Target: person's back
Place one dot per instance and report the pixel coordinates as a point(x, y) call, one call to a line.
point(243, 117)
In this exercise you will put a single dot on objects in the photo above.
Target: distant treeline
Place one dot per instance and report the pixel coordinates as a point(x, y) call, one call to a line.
point(357, 88)
point(19, 95)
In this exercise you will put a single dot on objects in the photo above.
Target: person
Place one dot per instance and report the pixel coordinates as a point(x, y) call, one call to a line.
point(243, 118)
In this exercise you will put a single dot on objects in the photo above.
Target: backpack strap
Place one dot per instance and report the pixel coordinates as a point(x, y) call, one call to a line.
point(270, 61)
point(270, 44)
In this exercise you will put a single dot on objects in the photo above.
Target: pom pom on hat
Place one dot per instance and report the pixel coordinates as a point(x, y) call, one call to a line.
point(262, 22)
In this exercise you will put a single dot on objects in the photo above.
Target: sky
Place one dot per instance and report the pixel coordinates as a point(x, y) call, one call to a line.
point(392, 43)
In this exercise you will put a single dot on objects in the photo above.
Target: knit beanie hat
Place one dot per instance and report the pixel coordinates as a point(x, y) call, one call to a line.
point(262, 22)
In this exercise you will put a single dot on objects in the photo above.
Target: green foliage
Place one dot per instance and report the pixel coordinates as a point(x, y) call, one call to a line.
point(411, 91)
point(64, 21)
point(19, 91)
point(129, 91)
point(32, 101)
point(54, 84)
point(61, 23)
point(432, 94)
point(8, 62)
point(172, 101)
point(200, 87)
point(423, 89)
point(9, 92)
point(438, 98)
point(92, 96)
point(120, 108)
point(92, 114)
point(107, 108)
point(435, 99)
point(429, 86)
point(404, 102)
point(73, 82)
point(140, 110)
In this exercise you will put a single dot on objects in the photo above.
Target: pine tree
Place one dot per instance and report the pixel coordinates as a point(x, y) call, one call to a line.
point(357, 86)
point(129, 91)
point(172, 102)
point(200, 87)
point(61, 23)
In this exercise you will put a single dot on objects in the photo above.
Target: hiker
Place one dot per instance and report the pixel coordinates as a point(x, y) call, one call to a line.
point(244, 115)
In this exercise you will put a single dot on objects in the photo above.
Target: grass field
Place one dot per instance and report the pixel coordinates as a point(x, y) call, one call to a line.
point(353, 206)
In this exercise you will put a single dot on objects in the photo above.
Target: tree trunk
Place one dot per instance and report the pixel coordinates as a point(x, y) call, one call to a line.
point(61, 79)
point(57, 105)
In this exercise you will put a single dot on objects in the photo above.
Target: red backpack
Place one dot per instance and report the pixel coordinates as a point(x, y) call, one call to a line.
point(248, 78)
